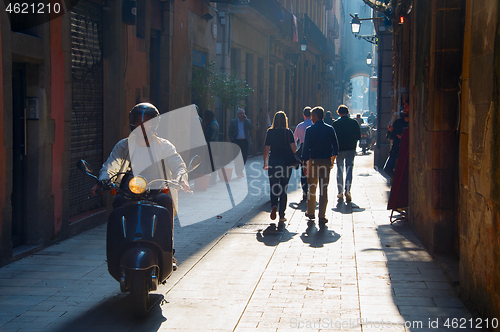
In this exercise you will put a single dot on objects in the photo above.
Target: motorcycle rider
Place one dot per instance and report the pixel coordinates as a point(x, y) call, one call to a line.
point(133, 151)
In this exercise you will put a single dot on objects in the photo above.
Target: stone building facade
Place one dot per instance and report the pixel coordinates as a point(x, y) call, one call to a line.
point(445, 62)
point(255, 42)
point(67, 85)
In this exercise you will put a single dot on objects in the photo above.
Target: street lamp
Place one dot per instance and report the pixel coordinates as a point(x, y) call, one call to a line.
point(356, 26)
point(328, 74)
point(303, 44)
point(373, 68)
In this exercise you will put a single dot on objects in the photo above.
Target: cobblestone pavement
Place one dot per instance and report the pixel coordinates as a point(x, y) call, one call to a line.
point(236, 273)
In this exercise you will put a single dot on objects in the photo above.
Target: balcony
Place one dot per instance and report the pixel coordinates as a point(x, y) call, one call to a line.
point(328, 4)
point(331, 49)
point(264, 15)
point(233, 2)
point(334, 27)
point(314, 33)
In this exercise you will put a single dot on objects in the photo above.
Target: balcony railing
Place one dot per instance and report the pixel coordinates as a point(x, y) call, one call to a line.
point(287, 24)
point(270, 9)
point(328, 4)
point(331, 48)
point(334, 27)
point(313, 33)
point(254, 10)
point(233, 2)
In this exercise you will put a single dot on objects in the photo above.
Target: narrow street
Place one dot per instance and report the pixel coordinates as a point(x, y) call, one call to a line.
point(360, 273)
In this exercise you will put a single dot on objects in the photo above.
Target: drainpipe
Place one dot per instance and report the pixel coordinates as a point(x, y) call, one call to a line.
point(320, 66)
point(296, 116)
point(268, 57)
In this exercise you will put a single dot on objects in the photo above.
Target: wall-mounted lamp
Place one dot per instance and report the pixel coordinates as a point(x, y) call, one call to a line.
point(373, 68)
point(328, 75)
point(369, 59)
point(356, 26)
point(303, 44)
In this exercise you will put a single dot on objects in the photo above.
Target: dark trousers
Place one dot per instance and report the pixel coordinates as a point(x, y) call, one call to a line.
point(345, 161)
point(279, 176)
point(243, 144)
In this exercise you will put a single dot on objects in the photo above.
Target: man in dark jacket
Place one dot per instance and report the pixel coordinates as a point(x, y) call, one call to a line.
point(348, 134)
point(240, 133)
point(320, 150)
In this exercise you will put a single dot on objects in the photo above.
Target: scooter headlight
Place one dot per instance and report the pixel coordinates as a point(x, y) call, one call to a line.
point(137, 185)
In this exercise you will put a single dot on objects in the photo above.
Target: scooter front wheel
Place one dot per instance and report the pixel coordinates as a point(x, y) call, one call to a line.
point(139, 293)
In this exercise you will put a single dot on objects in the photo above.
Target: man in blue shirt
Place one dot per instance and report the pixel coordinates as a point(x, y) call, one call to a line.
point(320, 150)
point(298, 135)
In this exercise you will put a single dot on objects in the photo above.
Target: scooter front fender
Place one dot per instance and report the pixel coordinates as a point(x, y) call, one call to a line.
point(138, 259)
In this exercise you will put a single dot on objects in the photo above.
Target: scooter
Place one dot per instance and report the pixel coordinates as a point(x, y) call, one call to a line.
point(365, 143)
point(139, 246)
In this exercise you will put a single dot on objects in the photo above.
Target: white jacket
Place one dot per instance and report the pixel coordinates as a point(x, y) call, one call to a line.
point(119, 161)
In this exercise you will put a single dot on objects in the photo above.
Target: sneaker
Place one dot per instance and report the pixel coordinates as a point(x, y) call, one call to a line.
point(174, 264)
point(348, 197)
point(273, 212)
point(340, 196)
point(323, 221)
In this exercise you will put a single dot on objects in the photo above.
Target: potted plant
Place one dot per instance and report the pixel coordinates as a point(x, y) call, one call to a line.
point(228, 172)
point(230, 90)
point(201, 182)
point(202, 86)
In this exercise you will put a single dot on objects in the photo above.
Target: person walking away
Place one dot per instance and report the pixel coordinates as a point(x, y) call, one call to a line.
point(279, 139)
point(348, 134)
point(395, 132)
point(328, 118)
point(320, 150)
point(299, 135)
point(240, 133)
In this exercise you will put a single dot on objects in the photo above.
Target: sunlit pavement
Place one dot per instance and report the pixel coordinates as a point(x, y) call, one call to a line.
point(238, 274)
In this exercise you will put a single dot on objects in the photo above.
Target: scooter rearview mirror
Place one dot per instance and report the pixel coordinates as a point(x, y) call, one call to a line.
point(194, 163)
point(84, 166)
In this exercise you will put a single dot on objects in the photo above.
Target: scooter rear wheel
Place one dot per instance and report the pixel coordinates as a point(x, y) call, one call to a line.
point(139, 293)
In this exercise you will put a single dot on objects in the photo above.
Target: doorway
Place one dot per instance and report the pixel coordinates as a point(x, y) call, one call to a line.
point(19, 167)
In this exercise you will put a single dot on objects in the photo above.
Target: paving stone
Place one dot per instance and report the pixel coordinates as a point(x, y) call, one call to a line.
point(235, 276)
